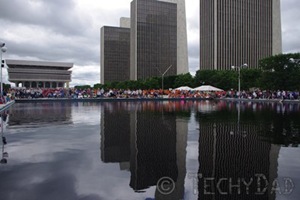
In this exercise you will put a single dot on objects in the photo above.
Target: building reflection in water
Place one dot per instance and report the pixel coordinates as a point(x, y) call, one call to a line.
point(233, 153)
point(30, 115)
point(148, 139)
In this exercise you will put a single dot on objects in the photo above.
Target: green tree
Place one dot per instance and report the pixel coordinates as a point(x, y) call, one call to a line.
point(82, 86)
point(152, 83)
point(183, 80)
point(280, 73)
point(169, 81)
point(250, 78)
point(204, 77)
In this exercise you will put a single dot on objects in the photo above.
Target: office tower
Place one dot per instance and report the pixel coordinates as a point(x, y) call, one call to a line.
point(115, 52)
point(236, 32)
point(182, 47)
point(158, 38)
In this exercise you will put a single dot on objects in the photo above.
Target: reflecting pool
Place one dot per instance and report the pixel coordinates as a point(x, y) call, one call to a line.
point(150, 150)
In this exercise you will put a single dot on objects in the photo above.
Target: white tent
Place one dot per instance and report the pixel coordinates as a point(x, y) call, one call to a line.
point(207, 88)
point(183, 88)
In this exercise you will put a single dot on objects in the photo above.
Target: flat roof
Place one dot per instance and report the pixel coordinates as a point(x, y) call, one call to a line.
point(38, 63)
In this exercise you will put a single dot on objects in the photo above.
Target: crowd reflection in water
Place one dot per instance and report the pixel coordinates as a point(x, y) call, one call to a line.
point(149, 139)
point(32, 115)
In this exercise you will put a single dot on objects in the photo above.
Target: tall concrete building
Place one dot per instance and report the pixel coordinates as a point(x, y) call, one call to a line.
point(236, 32)
point(158, 38)
point(115, 52)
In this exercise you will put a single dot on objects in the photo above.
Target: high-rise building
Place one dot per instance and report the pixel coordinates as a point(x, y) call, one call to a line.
point(115, 52)
point(182, 46)
point(158, 38)
point(236, 32)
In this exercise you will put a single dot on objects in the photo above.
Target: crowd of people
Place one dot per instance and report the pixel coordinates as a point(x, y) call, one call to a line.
point(264, 94)
point(74, 93)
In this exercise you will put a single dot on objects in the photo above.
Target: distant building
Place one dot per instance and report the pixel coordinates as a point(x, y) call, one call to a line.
point(115, 52)
point(158, 38)
point(236, 32)
point(147, 44)
point(39, 73)
point(182, 45)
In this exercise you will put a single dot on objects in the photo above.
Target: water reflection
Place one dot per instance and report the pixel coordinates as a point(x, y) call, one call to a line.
point(232, 153)
point(141, 142)
point(149, 140)
point(282, 128)
point(32, 115)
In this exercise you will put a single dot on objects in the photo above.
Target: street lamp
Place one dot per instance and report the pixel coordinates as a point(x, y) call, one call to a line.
point(239, 69)
point(162, 77)
point(296, 61)
point(3, 50)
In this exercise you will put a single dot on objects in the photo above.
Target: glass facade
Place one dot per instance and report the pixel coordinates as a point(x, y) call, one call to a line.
point(116, 54)
point(154, 29)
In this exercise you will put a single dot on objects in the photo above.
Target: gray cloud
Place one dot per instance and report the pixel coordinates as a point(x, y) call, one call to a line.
point(60, 16)
point(64, 31)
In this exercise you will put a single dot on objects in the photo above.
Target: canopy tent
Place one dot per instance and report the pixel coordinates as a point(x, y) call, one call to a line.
point(208, 88)
point(183, 88)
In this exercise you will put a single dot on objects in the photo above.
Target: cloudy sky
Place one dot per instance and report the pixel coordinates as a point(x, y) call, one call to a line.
point(69, 31)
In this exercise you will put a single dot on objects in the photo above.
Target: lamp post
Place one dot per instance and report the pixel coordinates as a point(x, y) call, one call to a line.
point(162, 77)
point(296, 61)
point(239, 70)
point(2, 50)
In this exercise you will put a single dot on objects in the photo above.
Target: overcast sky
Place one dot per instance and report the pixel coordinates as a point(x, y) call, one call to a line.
point(69, 31)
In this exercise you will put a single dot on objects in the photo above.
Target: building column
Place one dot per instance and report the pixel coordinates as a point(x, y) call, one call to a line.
point(33, 84)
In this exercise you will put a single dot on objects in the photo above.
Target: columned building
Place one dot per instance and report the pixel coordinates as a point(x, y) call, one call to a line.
point(32, 74)
point(236, 32)
point(158, 38)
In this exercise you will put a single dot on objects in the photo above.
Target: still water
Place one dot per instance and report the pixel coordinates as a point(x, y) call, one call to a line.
point(150, 150)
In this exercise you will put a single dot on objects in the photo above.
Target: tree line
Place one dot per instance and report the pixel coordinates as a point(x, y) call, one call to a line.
point(277, 72)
